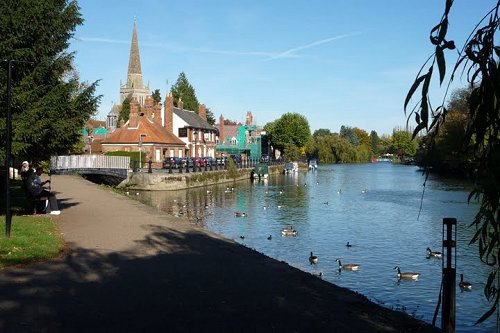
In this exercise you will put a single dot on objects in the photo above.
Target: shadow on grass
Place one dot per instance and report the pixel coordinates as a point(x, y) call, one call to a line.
point(189, 282)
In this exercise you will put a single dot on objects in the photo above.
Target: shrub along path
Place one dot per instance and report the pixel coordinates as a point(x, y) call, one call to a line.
point(131, 269)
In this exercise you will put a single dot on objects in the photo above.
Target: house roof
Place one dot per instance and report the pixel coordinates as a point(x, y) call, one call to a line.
point(154, 133)
point(115, 111)
point(193, 119)
point(231, 130)
point(95, 131)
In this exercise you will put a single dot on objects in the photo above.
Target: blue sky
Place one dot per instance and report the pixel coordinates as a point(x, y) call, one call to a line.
point(337, 62)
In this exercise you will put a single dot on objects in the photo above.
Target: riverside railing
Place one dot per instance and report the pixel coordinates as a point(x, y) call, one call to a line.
point(79, 162)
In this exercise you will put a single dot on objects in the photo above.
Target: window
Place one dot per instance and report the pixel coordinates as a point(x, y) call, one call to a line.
point(183, 132)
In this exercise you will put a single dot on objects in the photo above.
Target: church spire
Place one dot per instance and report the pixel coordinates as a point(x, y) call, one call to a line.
point(134, 62)
point(134, 86)
point(134, 76)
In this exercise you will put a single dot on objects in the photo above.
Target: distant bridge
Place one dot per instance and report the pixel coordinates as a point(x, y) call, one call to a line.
point(114, 166)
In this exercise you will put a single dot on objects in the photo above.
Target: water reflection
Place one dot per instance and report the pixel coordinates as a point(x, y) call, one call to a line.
point(377, 208)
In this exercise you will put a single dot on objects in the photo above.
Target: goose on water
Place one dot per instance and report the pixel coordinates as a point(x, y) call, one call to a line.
point(313, 259)
point(435, 254)
point(269, 237)
point(464, 285)
point(348, 245)
point(240, 214)
point(406, 275)
point(290, 231)
point(350, 267)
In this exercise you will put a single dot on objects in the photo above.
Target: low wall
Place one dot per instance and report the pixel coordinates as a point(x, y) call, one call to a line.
point(164, 181)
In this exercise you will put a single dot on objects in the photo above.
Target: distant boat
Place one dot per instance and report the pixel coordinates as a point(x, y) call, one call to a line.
point(313, 164)
point(291, 168)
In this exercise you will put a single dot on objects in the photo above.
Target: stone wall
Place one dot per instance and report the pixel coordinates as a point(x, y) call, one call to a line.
point(163, 181)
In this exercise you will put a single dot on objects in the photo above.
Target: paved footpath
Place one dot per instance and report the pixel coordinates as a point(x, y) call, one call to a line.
point(131, 269)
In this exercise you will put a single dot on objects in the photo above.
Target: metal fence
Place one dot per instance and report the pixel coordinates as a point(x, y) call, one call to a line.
point(89, 162)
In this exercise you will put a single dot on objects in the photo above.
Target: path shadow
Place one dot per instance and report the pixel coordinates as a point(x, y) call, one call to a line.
point(193, 283)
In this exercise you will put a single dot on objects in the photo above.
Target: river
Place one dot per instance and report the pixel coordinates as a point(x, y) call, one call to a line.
point(378, 208)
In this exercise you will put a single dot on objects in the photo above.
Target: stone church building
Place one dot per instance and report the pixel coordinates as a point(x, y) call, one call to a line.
point(157, 131)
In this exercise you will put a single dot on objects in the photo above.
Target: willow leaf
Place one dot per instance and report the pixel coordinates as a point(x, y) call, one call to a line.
point(413, 89)
point(441, 63)
point(419, 127)
point(444, 29)
point(486, 315)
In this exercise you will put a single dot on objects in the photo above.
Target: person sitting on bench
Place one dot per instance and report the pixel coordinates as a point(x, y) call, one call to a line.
point(35, 189)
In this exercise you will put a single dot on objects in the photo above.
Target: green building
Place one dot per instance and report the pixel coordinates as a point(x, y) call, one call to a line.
point(243, 140)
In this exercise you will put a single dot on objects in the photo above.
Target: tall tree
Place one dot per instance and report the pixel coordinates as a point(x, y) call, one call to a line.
point(210, 117)
point(289, 128)
point(125, 110)
point(478, 59)
point(156, 95)
point(49, 105)
point(374, 143)
point(184, 90)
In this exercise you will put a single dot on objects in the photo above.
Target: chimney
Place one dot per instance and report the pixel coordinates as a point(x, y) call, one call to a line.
point(133, 119)
point(148, 106)
point(202, 111)
point(156, 114)
point(180, 104)
point(221, 129)
point(169, 113)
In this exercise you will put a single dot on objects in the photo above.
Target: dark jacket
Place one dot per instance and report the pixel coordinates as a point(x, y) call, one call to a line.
point(31, 187)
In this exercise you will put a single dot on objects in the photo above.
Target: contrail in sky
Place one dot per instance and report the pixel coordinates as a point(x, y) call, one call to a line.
point(290, 53)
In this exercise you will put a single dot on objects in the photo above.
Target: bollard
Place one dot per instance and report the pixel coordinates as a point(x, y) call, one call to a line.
point(449, 275)
point(170, 167)
point(187, 167)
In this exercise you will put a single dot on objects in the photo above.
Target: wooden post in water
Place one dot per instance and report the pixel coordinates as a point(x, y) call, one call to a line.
point(449, 275)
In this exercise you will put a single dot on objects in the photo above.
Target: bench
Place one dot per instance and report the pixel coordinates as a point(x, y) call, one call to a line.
point(39, 204)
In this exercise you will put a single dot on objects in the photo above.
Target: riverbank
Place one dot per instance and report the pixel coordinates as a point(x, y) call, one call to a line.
point(132, 269)
point(163, 180)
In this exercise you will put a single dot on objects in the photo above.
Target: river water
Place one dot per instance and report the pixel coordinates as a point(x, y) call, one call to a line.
point(378, 208)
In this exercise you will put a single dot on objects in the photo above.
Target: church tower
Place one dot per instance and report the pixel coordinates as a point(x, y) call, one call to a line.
point(134, 85)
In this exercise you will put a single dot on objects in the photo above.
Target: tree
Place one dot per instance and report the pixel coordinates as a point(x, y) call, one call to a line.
point(290, 128)
point(478, 59)
point(448, 154)
point(125, 110)
point(184, 90)
point(156, 96)
point(349, 134)
point(375, 143)
point(49, 105)
point(321, 132)
point(210, 117)
point(403, 143)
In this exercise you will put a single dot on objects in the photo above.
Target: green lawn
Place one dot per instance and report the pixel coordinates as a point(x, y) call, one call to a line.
point(32, 238)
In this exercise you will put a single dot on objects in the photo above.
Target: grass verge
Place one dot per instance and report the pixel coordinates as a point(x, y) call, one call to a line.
point(32, 239)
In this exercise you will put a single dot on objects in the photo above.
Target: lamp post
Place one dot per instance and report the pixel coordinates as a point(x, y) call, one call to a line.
point(8, 142)
point(90, 140)
point(140, 151)
point(195, 134)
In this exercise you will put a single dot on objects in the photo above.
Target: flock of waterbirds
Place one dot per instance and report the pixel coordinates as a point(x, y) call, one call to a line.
point(413, 276)
point(313, 259)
